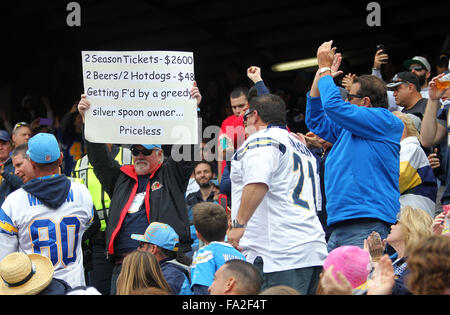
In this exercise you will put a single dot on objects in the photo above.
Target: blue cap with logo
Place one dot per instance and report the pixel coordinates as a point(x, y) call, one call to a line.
point(43, 148)
point(159, 234)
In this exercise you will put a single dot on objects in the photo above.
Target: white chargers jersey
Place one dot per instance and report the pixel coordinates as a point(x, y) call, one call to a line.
point(28, 226)
point(284, 230)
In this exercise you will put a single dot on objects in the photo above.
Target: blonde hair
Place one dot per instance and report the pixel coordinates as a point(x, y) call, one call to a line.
point(411, 130)
point(140, 270)
point(416, 226)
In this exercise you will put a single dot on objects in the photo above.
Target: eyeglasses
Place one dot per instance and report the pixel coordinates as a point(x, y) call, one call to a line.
point(21, 124)
point(247, 114)
point(136, 151)
point(352, 96)
point(416, 68)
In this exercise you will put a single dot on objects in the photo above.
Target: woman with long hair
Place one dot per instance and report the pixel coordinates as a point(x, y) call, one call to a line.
point(140, 270)
point(413, 225)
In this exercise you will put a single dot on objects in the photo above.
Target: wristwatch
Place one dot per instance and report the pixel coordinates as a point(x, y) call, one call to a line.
point(237, 225)
point(324, 69)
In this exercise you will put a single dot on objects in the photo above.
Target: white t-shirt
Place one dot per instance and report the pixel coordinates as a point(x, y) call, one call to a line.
point(284, 230)
point(28, 226)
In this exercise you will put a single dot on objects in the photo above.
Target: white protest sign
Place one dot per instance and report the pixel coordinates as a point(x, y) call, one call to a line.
point(140, 97)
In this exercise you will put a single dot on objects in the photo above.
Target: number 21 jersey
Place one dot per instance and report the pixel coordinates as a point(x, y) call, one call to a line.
point(284, 229)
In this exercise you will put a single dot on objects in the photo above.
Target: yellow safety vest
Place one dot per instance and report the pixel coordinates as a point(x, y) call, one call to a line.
point(84, 170)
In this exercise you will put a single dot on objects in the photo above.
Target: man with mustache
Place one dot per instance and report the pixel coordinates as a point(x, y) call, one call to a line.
point(149, 190)
point(203, 174)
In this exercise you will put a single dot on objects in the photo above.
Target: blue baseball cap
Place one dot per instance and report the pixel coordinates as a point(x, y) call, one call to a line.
point(148, 146)
point(4, 135)
point(43, 148)
point(159, 234)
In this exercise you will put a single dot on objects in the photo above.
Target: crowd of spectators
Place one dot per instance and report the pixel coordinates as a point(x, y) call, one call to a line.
point(343, 188)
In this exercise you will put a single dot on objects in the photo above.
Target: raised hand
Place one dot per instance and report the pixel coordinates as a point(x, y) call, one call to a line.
point(433, 91)
point(382, 281)
point(83, 105)
point(254, 74)
point(380, 59)
point(347, 81)
point(331, 286)
point(438, 224)
point(337, 59)
point(375, 246)
point(325, 54)
point(195, 93)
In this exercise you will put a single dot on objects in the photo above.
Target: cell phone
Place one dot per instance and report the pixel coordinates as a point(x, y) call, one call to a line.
point(381, 46)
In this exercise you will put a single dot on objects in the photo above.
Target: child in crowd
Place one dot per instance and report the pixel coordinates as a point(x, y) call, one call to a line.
point(210, 221)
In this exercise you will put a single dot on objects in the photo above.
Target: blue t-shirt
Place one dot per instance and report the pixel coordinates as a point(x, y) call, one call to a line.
point(210, 258)
point(135, 222)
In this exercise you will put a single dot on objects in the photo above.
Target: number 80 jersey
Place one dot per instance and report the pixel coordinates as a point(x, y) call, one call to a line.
point(284, 229)
point(28, 226)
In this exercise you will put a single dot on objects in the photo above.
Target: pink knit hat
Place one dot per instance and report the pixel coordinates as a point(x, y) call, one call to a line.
point(352, 261)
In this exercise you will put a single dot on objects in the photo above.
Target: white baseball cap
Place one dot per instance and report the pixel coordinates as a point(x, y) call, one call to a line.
point(417, 59)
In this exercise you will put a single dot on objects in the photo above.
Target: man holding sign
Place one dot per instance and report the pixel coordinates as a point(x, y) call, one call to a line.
point(149, 190)
point(139, 94)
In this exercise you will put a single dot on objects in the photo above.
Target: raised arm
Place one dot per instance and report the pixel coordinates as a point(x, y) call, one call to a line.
point(431, 132)
point(381, 58)
point(326, 58)
point(366, 122)
point(254, 74)
point(315, 118)
point(105, 167)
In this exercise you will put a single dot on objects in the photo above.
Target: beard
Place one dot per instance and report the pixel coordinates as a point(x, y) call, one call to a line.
point(422, 79)
point(141, 167)
point(204, 183)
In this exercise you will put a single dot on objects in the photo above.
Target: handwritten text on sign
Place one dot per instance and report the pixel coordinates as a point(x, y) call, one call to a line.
point(140, 97)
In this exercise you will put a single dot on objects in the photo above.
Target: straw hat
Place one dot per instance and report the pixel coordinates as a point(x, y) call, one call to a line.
point(23, 274)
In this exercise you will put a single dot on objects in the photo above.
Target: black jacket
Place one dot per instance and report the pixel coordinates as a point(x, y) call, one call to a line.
point(164, 200)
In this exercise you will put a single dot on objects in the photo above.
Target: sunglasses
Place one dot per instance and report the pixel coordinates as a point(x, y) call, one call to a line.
point(20, 124)
point(136, 151)
point(352, 96)
point(247, 114)
point(416, 68)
